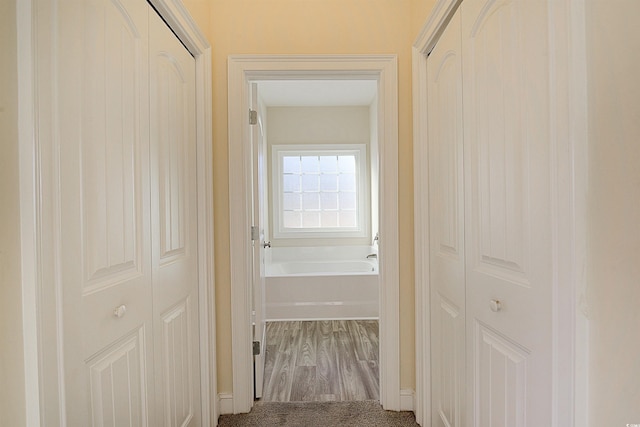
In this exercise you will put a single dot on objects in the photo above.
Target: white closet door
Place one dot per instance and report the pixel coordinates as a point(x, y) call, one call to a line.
point(446, 225)
point(509, 259)
point(174, 227)
point(258, 147)
point(104, 255)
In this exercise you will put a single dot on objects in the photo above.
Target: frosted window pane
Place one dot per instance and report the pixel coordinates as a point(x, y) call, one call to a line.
point(347, 164)
point(329, 219)
point(329, 164)
point(310, 164)
point(347, 183)
point(348, 219)
point(328, 182)
point(319, 191)
point(310, 201)
point(292, 219)
point(291, 201)
point(347, 201)
point(329, 201)
point(291, 164)
point(291, 183)
point(310, 219)
point(311, 183)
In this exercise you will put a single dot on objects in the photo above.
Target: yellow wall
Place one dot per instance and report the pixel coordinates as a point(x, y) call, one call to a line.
point(310, 27)
point(12, 399)
point(613, 43)
point(420, 10)
point(200, 10)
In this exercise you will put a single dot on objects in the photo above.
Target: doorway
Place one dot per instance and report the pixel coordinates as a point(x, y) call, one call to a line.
point(315, 216)
point(245, 70)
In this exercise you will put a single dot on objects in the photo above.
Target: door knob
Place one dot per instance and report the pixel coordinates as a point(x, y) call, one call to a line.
point(266, 245)
point(120, 311)
point(495, 305)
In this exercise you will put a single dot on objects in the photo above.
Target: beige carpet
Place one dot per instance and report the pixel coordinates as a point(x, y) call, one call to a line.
point(322, 414)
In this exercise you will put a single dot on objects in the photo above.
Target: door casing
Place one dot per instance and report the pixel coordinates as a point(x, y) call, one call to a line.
point(39, 195)
point(243, 69)
point(568, 137)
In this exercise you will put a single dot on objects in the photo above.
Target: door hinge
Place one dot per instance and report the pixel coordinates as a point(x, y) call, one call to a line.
point(253, 117)
point(256, 348)
point(255, 233)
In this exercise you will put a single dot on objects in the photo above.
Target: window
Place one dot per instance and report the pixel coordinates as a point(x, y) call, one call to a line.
point(320, 191)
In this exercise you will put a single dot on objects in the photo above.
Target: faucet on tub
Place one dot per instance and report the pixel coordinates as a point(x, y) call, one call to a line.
point(372, 256)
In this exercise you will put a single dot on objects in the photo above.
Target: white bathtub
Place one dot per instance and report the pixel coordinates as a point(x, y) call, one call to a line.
point(305, 283)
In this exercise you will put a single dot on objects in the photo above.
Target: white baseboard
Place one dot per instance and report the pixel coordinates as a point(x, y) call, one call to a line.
point(225, 401)
point(407, 399)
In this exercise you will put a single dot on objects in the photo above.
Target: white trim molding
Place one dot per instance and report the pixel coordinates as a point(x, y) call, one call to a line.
point(243, 69)
point(568, 136)
point(29, 200)
point(407, 399)
point(225, 402)
point(40, 206)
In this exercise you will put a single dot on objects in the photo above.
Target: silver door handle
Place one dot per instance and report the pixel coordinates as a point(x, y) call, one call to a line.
point(266, 245)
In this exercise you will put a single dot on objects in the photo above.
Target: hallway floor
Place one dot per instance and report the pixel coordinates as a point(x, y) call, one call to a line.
point(332, 360)
point(321, 414)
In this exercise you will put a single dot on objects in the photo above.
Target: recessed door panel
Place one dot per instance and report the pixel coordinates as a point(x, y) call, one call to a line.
point(118, 390)
point(172, 136)
point(501, 382)
point(111, 143)
point(449, 360)
point(500, 170)
point(178, 370)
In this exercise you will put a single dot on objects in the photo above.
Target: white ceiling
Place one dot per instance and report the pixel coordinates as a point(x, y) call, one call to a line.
point(317, 93)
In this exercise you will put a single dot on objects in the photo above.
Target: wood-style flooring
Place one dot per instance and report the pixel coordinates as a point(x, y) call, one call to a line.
point(331, 360)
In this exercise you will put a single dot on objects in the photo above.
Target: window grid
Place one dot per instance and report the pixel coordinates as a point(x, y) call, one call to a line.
point(320, 191)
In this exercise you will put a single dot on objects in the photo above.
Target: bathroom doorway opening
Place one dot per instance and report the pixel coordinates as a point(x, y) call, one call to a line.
point(315, 286)
point(273, 103)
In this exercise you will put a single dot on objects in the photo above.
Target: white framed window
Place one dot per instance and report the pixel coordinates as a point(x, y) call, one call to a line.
point(320, 191)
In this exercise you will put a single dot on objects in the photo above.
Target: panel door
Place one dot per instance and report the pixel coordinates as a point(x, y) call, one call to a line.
point(104, 254)
point(446, 222)
point(258, 147)
point(508, 212)
point(174, 227)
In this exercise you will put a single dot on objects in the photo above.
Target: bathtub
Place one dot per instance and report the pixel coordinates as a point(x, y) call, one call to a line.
point(308, 283)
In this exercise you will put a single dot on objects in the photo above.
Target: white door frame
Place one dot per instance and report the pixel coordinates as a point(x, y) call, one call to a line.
point(568, 141)
point(39, 207)
point(245, 68)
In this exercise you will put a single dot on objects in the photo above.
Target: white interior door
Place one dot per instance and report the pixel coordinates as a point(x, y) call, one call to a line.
point(509, 259)
point(105, 253)
point(174, 227)
point(258, 147)
point(446, 224)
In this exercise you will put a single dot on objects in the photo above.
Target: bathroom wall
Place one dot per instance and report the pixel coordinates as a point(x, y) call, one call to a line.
point(317, 125)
